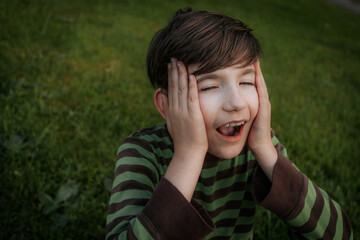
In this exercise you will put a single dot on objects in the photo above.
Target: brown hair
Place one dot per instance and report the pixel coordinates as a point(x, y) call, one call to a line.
point(210, 39)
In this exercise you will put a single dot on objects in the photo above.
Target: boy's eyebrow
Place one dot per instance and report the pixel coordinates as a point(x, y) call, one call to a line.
point(206, 76)
point(213, 75)
point(248, 71)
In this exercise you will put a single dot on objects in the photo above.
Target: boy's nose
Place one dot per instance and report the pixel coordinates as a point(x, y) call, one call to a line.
point(234, 101)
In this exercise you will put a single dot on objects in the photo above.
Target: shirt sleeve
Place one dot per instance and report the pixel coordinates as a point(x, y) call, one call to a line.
point(306, 208)
point(145, 205)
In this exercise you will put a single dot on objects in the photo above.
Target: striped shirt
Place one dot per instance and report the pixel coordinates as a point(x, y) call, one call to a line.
point(144, 205)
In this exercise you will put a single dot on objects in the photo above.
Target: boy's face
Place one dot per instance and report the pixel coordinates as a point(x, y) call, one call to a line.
point(229, 104)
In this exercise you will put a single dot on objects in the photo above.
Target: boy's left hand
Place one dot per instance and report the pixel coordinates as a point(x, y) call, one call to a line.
point(259, 138)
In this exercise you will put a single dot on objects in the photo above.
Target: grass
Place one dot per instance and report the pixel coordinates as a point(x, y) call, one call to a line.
point(73, 83)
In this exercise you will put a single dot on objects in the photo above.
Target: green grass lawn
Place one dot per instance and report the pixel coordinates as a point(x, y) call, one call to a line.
point(73, 84)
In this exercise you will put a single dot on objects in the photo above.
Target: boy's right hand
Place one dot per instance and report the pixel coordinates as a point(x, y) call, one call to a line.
point(186, 126)
point(184, 119)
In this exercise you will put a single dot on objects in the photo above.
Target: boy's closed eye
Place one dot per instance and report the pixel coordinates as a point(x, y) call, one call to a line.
point(248, 82)
point(244, 77)
point(244, 83)
point(205, 89)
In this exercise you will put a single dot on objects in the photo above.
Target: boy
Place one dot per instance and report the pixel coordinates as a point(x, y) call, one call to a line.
point(200, 175)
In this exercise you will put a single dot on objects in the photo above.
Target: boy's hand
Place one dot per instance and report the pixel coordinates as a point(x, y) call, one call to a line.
point(259, 139)
point(186, 126)
point(184, 119)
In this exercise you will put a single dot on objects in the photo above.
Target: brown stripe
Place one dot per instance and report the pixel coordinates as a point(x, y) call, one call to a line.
point(229, 222)
point(138, 142)
point(161, 133)
point(331, 228)
point(114, 207)
point(295, 235)
point(301, 203)
point(220, 238)
point(346, 226)
point(112, 237)
point(132, 152)
point(236, 204)
point(240, 186)
point(130, 234)
point(279, 147)
point(243, 228)
point(247, 212)
point(150, 130)
point(155, 144)
point(311, 224)
point(131, 184)
point(148, 225)
point(116, 221)
point(212, 161)
point(272, 133)
point(227, 173)
point(136, 169)
point(248, 196)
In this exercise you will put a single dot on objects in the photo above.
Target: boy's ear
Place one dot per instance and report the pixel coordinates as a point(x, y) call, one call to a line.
point(161, 102)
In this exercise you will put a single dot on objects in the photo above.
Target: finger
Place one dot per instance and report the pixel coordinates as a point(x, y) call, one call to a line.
point(170, 84)
point(173, 84)
point(194, 104)
point(183, 85)
point(264, 102)
point(165, 104)
point(260, 82)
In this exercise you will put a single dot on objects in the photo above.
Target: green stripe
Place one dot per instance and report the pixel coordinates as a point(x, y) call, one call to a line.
point(339, 223)
point(240, 236)
point(234, 213)
point(228, 231)
point(221, 184)
point(248, 204)
point(129, 194)
point(160, 126)
point(249, 156)
point(165, 153)
point(276, 141)
point(142, 151)
point(121, 227)
point(128, 210)
point(224, 231)
point(223, 165)
point(233, 196)
point(135, 161)
point(140, 231)
point(229, 213)
point(245, 220)
point(155, 138)
point(304, 215)
point(139, 177)
point(323, 221)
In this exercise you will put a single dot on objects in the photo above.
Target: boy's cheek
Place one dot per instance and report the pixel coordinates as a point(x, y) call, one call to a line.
point(253, 103)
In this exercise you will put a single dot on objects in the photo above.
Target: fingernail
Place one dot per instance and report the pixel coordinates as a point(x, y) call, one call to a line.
point(169, 66)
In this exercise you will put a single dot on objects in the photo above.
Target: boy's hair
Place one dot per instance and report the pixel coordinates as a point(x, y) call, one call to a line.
point(210, 39)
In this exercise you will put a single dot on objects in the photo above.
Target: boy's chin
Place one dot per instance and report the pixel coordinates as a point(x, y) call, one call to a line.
point(226, 154)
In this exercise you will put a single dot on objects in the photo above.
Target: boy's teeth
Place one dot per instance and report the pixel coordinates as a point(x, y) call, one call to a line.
point(234, 124)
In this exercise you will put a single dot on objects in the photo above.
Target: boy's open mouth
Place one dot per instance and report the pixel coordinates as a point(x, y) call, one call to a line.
point(230, 129)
